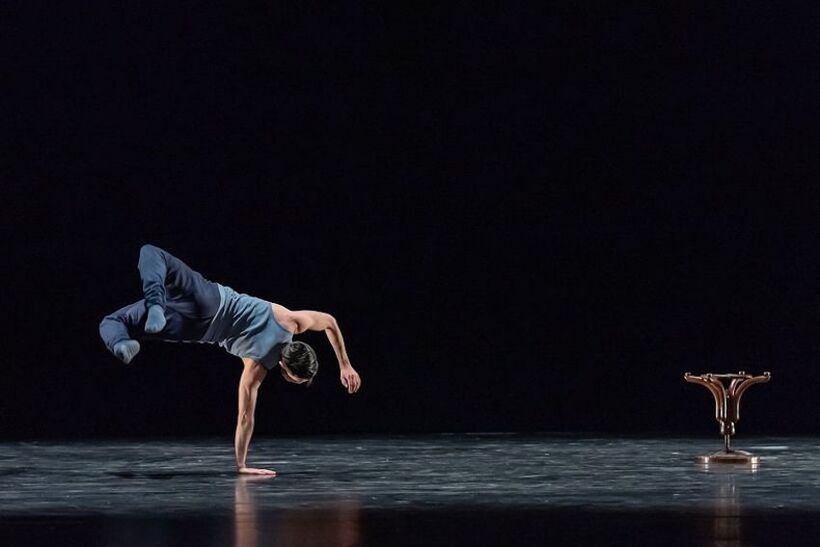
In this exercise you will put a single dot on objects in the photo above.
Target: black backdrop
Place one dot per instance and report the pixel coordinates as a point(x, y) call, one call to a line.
point(524, 218)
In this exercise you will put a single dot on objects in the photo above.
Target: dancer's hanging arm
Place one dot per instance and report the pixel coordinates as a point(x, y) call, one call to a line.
point(249, 384)
point(320, 321)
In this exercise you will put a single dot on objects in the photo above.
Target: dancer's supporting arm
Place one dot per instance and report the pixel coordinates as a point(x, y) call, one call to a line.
point(249, 384)
point(320, 321)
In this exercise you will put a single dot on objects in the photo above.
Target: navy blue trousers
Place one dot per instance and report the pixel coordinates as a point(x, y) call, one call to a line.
point(190, 302)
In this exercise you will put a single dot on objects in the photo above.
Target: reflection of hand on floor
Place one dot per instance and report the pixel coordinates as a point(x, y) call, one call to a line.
point(245, 532)
point(336, 524)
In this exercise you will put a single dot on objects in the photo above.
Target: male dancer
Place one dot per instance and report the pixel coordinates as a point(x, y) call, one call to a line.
point(180, 305)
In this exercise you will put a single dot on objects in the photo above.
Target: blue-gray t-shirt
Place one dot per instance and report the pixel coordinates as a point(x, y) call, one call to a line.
point(245, 326)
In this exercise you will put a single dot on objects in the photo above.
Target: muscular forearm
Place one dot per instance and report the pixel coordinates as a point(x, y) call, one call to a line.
point(244, 431)
point(347, 374)
point(334, 335)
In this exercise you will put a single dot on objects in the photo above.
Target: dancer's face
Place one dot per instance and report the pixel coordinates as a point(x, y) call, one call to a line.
point(289, 376)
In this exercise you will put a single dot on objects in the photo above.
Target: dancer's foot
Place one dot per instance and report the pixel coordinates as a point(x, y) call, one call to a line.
point(156, 319)
point(126, 350)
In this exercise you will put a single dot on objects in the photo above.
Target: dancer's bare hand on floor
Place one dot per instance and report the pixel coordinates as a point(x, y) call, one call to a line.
point(256, 471)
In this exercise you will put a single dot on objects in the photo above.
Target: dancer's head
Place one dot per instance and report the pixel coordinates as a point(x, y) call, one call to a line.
point(298, 364)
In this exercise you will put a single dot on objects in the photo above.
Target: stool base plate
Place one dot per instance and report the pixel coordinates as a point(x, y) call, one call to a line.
point(740, 457)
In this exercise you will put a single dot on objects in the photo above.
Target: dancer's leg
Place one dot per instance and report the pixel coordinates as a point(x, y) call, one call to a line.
point(153, 268)
point(186, 300)
point(169, 282)
point(119, 329)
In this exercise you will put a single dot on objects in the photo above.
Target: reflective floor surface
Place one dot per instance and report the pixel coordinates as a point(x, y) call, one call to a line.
point(437, 490)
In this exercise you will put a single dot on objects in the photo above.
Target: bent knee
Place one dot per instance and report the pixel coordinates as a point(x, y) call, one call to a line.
point(148, 248)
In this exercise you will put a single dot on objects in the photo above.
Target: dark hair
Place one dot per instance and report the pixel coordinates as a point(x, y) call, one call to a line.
point(301, 360)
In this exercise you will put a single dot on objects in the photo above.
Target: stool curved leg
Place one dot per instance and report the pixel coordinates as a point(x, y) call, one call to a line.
point(717, 391)
point(738, 391)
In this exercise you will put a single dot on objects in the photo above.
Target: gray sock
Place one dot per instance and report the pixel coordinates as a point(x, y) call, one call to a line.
point(126, 350)
point(155, 321)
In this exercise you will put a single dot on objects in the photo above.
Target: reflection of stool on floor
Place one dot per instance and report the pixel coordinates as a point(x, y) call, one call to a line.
point(727, 410)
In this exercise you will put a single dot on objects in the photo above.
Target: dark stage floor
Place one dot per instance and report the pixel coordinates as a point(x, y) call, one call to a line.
point(438, 490)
